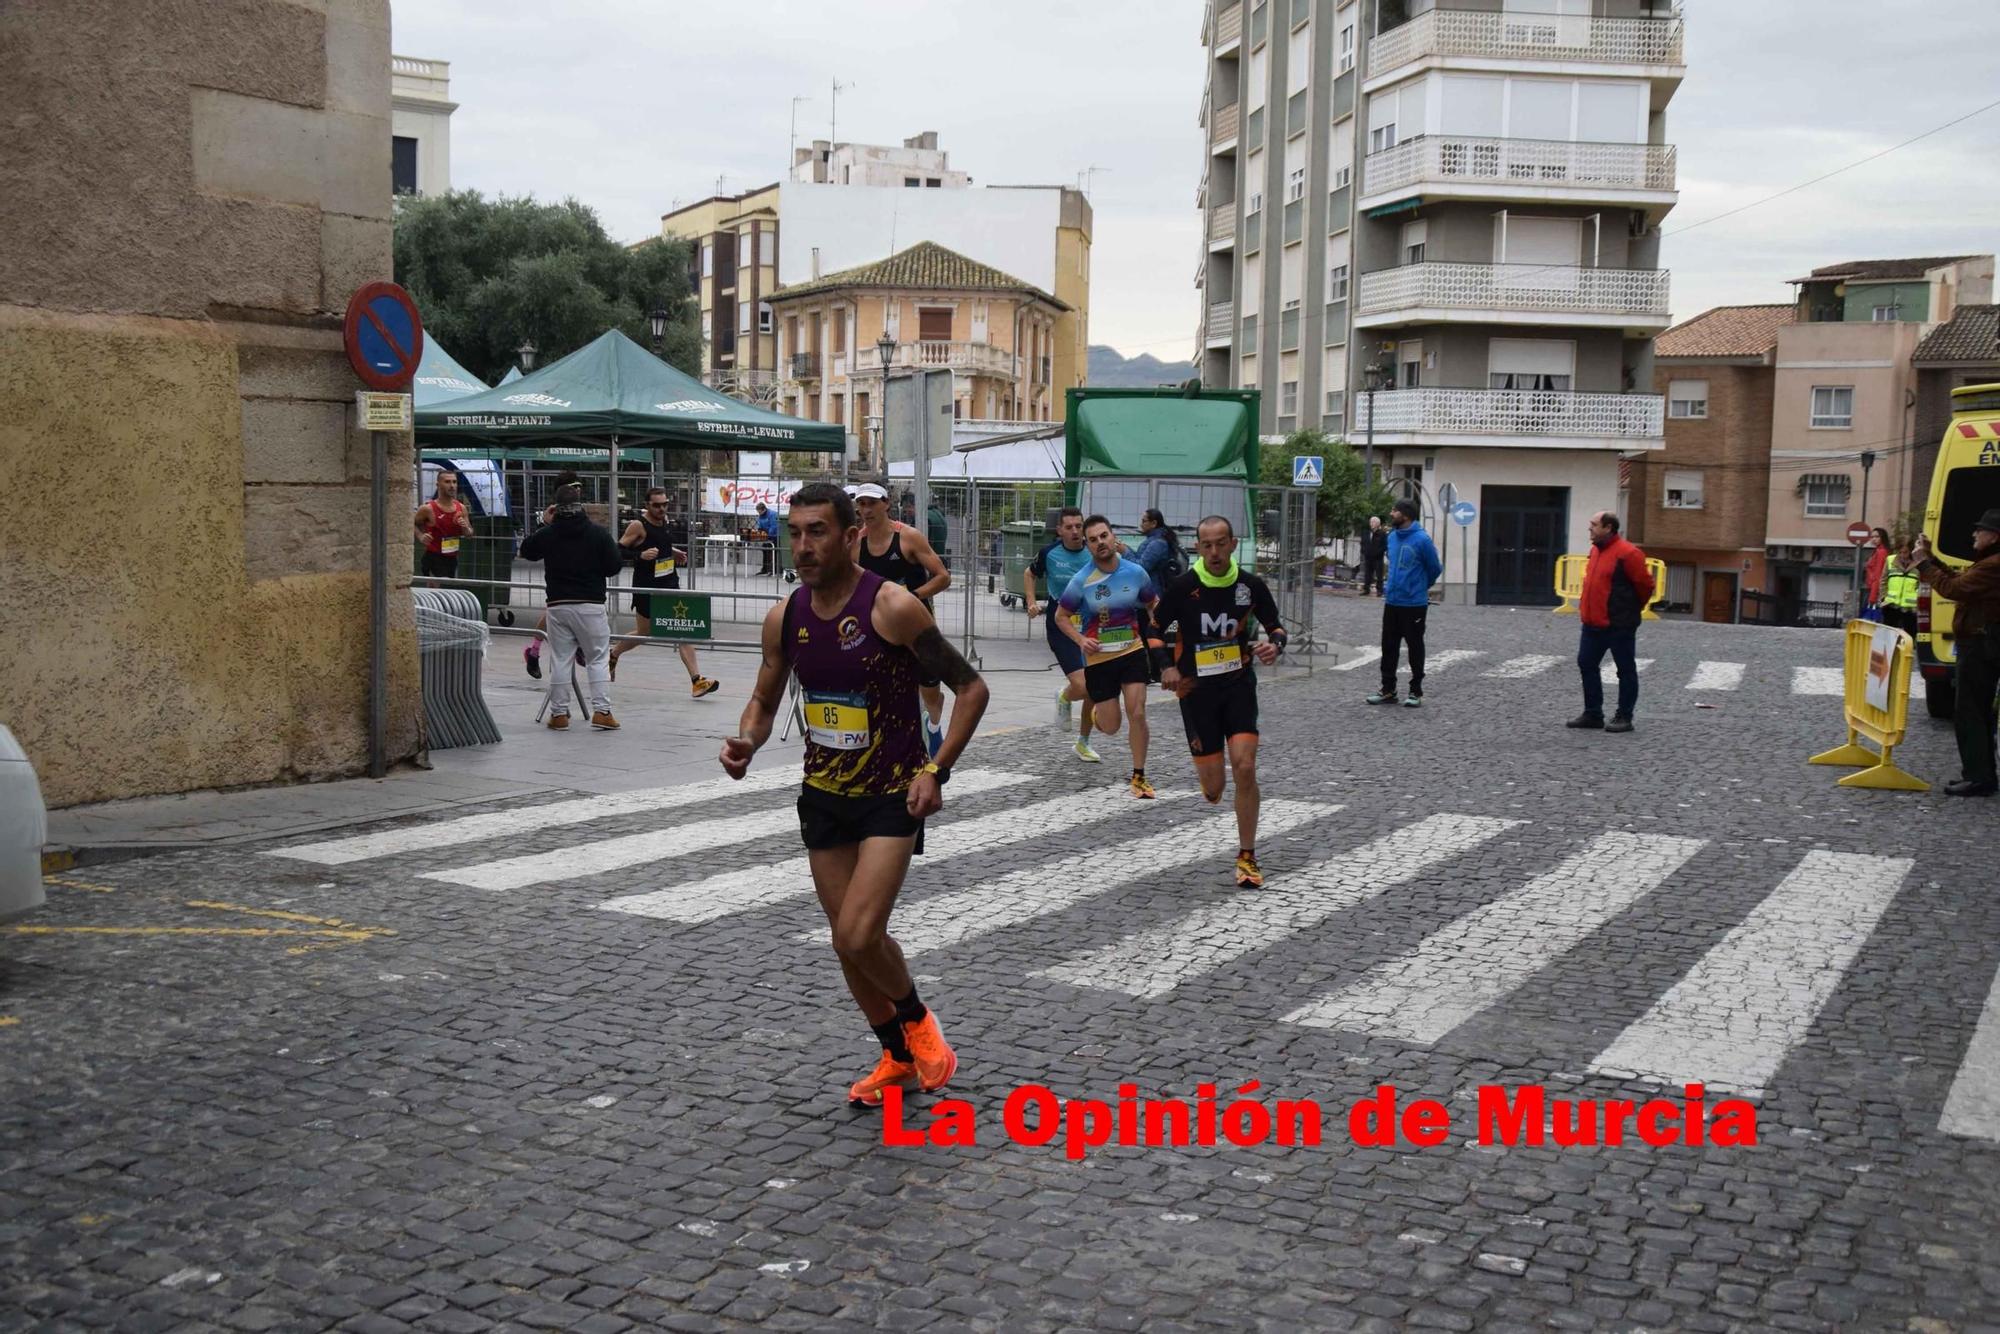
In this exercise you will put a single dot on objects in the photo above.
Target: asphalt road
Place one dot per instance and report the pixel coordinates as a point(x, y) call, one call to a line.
point(581, 1066)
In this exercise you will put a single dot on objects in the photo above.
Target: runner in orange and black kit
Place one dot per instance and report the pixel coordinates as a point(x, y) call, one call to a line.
point(1209, 609)
point(442, 521)
point(902, 555)
point(858, 644)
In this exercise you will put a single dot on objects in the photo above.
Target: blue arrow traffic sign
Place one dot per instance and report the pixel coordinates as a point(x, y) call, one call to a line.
point(1463, 513)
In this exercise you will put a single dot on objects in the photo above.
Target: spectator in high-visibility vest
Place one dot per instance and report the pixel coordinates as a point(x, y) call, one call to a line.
point(1899, 590)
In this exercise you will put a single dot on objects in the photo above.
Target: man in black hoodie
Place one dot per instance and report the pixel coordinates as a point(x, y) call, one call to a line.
point(578, 557)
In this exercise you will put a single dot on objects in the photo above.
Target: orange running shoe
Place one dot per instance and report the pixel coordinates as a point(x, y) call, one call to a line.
point(867, 1091)
point(1141, 788)
point(1248, 874)
point(936, 1062)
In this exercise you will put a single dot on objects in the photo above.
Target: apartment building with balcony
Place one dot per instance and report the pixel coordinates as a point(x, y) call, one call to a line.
point(919, 164)
point(734, 271)
point(1461, 204)
point(994, 332)
point(1845, 439)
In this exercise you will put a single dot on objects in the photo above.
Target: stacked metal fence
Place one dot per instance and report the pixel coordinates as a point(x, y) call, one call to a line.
point(451, 646)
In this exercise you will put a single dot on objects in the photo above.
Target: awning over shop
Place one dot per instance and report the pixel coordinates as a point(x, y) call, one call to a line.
point(439, 379)
point(1838, 480)
point(614, 390)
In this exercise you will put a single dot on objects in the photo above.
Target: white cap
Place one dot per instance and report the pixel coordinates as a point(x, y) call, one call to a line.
point(867, 491)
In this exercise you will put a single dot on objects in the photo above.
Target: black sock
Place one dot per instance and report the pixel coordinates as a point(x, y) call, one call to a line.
point(1248, 852)
point(891, 1035)
point(910, 1010)
point(1138, 773)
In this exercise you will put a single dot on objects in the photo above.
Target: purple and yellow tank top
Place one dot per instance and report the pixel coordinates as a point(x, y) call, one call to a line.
point(859, 693)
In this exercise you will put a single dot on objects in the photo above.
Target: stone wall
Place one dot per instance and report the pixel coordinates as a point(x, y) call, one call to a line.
point(186, 545)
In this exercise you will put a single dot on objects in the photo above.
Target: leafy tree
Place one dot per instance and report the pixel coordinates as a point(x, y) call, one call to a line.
point(492, 274)
point(1342, 502)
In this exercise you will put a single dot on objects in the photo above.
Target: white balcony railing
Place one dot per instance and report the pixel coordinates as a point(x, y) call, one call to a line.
point(966, 357)
point(1228, 26)
point(1519, 412)
point(1530, 288)
point(1222, 223)
point(1223, 123)
point(1453, 160)
point(1221, 321)
point(1465, 32)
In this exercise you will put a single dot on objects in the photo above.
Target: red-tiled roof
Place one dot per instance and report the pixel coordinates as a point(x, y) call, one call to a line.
point(1726, 331)
point(926, 264)
point(1882, 270)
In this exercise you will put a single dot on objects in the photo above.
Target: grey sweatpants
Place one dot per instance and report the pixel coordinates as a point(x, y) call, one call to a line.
point(573, 626)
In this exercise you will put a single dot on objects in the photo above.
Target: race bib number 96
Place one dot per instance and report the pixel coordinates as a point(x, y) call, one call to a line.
point(1218, 659)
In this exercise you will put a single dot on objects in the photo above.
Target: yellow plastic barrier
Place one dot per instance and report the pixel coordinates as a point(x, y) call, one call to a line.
point(1569, 585)
point(1883, 726)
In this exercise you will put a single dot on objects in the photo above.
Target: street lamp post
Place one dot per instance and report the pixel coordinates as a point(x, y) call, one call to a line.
point(1867, 462)
point(885, 348)
point(658, 317)
point(1372, 379)
point(526, 352)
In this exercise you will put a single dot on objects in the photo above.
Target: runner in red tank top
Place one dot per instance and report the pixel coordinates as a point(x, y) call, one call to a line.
point(858, 644)
point(442, 521)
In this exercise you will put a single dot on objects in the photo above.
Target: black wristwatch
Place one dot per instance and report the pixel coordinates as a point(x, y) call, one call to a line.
point(943, 771)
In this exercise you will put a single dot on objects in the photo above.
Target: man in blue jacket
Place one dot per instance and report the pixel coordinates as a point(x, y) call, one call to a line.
point(1406, 600)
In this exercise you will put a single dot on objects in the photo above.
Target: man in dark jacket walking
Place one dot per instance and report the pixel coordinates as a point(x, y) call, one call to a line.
point(1976, 634)
point(578, 558)
point(1616, 588)
point(1374, 546)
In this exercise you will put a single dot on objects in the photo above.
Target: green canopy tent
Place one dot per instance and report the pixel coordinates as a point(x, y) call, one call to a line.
point(513, 374)
point(1186, 453)
point(440, 379)
point(612, 391)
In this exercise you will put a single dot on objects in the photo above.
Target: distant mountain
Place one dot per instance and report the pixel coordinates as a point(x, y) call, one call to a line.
point(1109, 370)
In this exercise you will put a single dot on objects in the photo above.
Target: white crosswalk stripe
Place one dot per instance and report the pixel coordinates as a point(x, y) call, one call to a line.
point(1973, 1105)
point(952, 919)
point(1484, 956)
point(614, 854)
point(740, 891)
point(1819, 681)
point(1362, 657)
point(1609, 672)
point(521, 819)
point(1515, 669)
point(1437, 662)
point(1717, 676)
point(1156, 961)
point(1729, 1022)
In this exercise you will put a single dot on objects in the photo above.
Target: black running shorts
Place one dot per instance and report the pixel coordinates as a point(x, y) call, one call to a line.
point(1213, 713)
point(1102, 681)
point(830, 820)
point(643, 604)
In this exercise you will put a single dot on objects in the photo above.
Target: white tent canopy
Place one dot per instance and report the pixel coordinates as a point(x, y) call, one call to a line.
point(994, 450)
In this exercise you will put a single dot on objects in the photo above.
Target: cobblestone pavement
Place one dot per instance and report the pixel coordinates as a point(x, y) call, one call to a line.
point(579, 1066)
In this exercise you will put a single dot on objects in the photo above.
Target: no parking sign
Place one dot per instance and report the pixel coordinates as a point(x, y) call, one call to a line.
point(384, 336)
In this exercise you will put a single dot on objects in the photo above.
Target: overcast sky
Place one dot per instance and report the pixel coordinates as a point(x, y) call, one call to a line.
point(634, 105)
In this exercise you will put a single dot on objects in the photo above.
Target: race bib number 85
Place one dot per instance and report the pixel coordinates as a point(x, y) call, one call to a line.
point(837, 722)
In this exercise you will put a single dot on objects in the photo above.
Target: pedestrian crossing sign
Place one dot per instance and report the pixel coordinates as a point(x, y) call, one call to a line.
point(1308, 469)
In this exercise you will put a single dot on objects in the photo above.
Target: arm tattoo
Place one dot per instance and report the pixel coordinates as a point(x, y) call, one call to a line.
point(941, 660)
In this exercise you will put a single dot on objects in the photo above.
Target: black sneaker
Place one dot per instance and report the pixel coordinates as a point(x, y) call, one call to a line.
point(1619, 723)
point(1965, 787)
point(1595, 720)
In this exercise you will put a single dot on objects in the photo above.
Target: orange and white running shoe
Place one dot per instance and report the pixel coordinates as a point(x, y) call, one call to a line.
point(867, 1091)
point(936, 1062)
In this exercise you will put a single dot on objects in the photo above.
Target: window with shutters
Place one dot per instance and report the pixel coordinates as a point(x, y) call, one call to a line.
point(1544, 364)
point(1681, 489)
point(1687, 400)
point(933, 324)
point(1826, 497)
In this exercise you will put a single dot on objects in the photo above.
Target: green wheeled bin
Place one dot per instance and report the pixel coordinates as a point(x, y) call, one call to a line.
point(1019, 542)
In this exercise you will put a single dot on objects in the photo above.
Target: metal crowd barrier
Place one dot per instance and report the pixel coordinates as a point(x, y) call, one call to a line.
point(451, 647)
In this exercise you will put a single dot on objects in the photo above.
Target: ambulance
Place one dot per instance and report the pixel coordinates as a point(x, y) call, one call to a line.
point(1964, 485)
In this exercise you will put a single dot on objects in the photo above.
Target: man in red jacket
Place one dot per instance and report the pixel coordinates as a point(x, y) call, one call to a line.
point(1616, 588)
